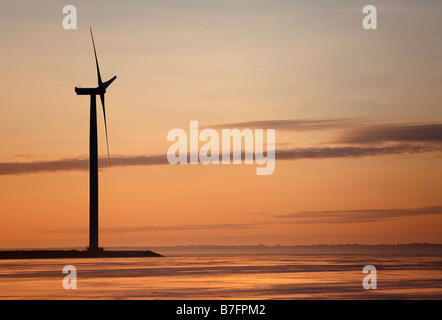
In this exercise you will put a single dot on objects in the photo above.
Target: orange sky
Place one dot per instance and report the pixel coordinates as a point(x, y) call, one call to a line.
point(357, 117)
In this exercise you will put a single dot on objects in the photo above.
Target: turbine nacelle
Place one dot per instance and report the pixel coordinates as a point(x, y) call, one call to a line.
point(90, 91)
point(95, 91)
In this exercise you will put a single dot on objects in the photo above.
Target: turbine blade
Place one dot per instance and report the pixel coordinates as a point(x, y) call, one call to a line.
point(105, 127)
point(100, 83)
point(108, 83)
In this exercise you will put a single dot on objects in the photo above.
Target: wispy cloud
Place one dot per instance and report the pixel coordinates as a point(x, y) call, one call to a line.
point(292, 125)
point(359, 215)
point(303, 217)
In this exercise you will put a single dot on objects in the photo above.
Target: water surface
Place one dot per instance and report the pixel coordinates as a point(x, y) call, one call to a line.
point(235, 276)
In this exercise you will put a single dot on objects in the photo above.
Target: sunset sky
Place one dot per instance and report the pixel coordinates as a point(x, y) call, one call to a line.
point(357, 113)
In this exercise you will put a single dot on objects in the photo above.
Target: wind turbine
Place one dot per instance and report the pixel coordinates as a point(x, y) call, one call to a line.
point(93, 151)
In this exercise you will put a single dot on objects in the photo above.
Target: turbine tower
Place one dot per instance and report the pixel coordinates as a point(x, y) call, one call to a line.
point(93, 151)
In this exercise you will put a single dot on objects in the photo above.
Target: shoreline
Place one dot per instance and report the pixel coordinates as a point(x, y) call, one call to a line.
point(76, 254)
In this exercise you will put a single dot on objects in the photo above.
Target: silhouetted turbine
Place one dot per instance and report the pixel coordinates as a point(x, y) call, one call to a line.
point(93, 150)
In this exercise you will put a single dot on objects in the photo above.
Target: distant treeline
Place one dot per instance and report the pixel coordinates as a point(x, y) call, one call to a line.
point(412, 248)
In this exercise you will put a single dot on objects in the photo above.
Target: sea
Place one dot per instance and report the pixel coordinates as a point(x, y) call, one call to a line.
point(227, 277)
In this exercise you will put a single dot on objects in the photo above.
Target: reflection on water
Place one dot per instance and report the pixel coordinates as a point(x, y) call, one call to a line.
point(226, 277)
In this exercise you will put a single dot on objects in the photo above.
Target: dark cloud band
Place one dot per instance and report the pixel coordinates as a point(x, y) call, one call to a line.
point(393, 133)
point(81, 164)
point(403, 139)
